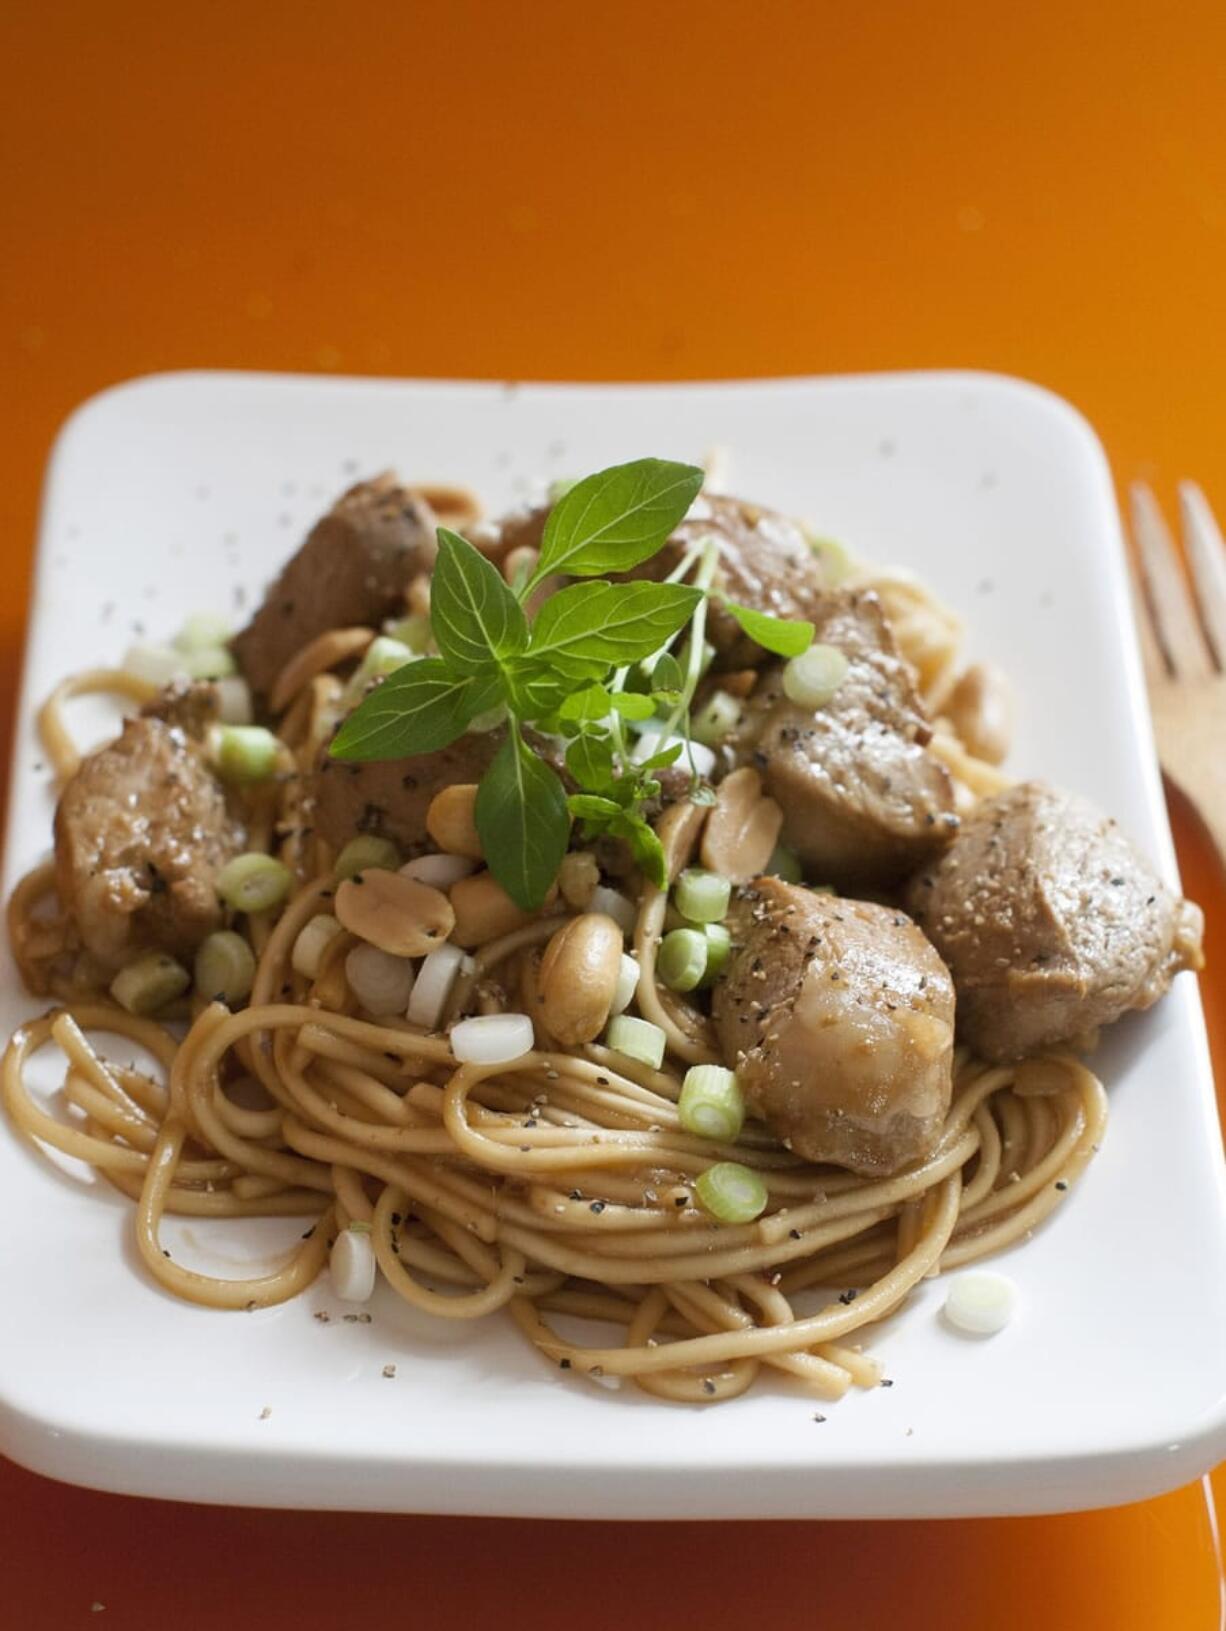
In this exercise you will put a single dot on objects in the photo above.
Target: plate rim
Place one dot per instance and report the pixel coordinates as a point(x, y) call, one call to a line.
point(1145, 1466)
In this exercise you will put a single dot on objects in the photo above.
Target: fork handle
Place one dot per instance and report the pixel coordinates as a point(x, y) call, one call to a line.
point(1193, 752)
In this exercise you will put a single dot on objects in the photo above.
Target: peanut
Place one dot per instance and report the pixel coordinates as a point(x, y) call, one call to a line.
point(399, 915)
point(452, 823)
point(578, 978)
point(483, 911)
point(980, 709)
point(578, 876)
point(743, 828)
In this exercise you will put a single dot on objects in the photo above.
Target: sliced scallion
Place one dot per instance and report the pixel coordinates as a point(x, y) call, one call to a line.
point(719, 946)
point(711, 1104)
point(253, 882)
point(225, 968)
point(208, 663)
point(413, 631)
point(627, 984)
point(837, 561)
point(150, 983)
point(718, 717)
point(383, 656)
point(732, 1193)
point(159, 665)
point(811, 680)
point(313, 940)
point(682, 959)
point(203, 631)
point(366, 853)
point(702, 896)
point(244, 753)
point(637, 1039)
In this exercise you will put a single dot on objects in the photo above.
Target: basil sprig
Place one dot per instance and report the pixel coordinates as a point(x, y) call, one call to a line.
point(567, 673)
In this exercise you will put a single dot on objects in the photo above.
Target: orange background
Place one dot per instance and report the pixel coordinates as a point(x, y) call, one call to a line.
point(615, 191)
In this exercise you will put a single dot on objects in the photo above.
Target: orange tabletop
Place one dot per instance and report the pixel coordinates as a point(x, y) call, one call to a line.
point(645, 191)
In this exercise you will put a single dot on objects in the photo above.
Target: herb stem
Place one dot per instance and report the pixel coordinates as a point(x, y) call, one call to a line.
point(698, 629)
point(707, 553)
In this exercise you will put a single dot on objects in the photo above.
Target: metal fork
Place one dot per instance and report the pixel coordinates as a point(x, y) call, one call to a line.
point(1181, 622)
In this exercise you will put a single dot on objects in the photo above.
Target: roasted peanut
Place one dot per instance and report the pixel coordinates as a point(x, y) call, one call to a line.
point(451, 821)
point(578, 978)
point(742, 829)
point(483, 911)
point(395, 913)
point(980, 709)
point(578, 876)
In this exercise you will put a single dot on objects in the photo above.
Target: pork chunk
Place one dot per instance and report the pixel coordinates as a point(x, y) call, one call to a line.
point(390, 797)
point(1051, 922)
point(838, 1017)
point(141, 832)
point(863, 801)
point(353, 569)
point(765, 562)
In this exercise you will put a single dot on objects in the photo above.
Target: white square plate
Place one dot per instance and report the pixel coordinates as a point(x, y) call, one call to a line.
point(171, 493)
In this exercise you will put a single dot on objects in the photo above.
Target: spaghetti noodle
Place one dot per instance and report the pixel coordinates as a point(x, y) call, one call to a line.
point(558, 1187)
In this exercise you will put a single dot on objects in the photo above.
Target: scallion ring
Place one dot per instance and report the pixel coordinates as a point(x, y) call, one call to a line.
point(711, 1104)
point(731, 1193)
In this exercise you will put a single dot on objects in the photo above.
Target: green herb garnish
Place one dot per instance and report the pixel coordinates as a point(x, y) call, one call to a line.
point(597, 657)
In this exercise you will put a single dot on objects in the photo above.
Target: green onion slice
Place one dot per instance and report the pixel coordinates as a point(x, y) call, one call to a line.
point(225, 968)
point(810, 681)
point(253, 882)
point(637, 1039)
point(732, 1193)
point(712, 1105)
point(682, 959)
point(702, 896)
point(366, 854)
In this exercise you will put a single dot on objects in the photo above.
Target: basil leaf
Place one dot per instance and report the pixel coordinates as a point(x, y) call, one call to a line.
point(591, 627)
point(535, 695)
point(628, 790)
point(667, 675)
point(593, 702)
point(523, 822)
point(632, 705)
point(786, 637)
point(589, 758)
point(611, 521)
point(701, 794)
point(421, 707)
point(590, 808)
point(646, 848)
point(661, 761)
point(477, 621)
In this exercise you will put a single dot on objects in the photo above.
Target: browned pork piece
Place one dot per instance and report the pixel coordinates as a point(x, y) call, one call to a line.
point(863, 801)
point(390, 797)
point(141, 832)
point(1051, 922)
point(838, 1017)
point(765, 562)
point(192, 705)
point(353, 569)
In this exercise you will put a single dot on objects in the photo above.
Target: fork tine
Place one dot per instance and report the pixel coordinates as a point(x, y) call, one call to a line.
point(1175, 621)
point(1152, 659)
point(1206, 553)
